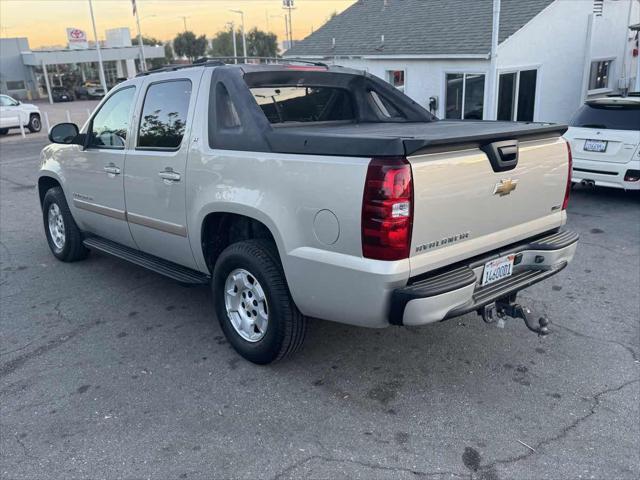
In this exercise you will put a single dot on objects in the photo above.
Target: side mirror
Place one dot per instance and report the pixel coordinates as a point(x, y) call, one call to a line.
point(64, 133)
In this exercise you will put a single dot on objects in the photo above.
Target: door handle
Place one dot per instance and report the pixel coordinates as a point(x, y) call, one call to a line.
point(112, 169)
point(169, 175)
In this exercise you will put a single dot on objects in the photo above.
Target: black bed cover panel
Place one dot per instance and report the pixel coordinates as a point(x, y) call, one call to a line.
point(385, 139)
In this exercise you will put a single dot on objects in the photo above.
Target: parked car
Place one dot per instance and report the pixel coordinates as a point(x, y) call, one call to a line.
point(605, 140)
point(310, 191)
point(89, 91)
point(13, 112)
point(61, 94)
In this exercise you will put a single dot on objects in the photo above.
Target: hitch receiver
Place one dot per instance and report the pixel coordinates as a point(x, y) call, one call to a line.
point(507, 307)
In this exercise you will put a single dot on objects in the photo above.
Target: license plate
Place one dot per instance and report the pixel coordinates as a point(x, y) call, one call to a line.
point(595, 145)
point(497, 269)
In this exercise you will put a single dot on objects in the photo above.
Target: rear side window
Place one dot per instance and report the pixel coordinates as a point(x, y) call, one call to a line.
point(164, 115)
point(304, 104)
point(613, 117)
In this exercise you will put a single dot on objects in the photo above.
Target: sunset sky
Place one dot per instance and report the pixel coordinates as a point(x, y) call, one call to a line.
point(44, 22)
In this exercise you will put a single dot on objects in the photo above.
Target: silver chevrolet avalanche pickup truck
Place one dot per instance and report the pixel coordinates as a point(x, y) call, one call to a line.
point(302, 190)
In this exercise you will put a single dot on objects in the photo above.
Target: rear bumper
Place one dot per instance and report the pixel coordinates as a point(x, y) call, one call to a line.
point(605, 174)
point(456, 290)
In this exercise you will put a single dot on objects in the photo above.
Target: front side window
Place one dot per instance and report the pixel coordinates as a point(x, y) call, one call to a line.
point(599, 76)
point(304, 104)
point(465, 96)
point(110, 125)
point(164, 115)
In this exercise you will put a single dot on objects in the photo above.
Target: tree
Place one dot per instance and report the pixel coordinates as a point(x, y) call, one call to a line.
point(261, 44)
point(222, 44)
point(156, 62)
point(186, 44)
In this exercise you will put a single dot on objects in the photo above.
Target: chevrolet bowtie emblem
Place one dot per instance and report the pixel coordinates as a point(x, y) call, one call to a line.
point(505, 187)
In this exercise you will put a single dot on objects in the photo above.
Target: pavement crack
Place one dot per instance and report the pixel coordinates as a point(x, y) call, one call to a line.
point(375, 466)
point(14, 364)
point(24, 447)
point(564, 431)
point(628, 348)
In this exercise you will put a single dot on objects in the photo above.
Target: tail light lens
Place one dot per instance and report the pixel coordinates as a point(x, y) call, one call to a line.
point(565, 203)
point(387, 209)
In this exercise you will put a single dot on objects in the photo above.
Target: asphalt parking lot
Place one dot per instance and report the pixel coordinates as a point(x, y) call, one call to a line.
point(111, 371)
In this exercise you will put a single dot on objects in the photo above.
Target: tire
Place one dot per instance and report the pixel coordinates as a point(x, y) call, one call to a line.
point(34, 125)
point(68, 247)
point(4, 131)
point(286, 326)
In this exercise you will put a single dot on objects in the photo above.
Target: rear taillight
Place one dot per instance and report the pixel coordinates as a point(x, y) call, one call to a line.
point(387, 209)
point(565, 203)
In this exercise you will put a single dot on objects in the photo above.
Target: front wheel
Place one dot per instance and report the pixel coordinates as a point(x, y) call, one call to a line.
point(63, 235)
point(253, 303)
point(34, 125)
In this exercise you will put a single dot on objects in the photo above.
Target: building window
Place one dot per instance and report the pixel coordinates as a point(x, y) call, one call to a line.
point(396, 78)
point(517, 95)
point(464, 97)
point(15, 85)
point(599, 77)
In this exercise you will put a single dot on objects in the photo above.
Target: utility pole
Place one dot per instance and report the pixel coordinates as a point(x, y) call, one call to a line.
point(143, 61)
point(103, 80)
point(184, 21)
point(233, 35)
point(286, 26)
point(244, 35)
point(288, 5)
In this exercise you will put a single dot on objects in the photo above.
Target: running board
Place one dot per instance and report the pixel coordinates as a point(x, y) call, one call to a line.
point(164, 267)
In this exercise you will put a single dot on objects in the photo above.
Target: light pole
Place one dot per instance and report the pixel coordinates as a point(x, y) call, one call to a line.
point(286, 27)
point(244, 36)
point(233, 35)
point(288, 5)
point(143, 60)
point(103, 80)
point(184, 20)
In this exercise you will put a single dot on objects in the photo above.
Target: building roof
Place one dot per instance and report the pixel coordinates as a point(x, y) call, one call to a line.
point(417, 27)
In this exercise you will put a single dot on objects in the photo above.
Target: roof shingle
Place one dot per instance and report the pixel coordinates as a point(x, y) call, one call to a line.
point(417, 27)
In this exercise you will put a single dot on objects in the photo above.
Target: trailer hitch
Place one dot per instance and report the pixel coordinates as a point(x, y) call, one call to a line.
point(507, 307)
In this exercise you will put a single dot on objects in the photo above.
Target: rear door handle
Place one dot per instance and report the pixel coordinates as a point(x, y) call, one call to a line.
point(112, 169)
point(169, 176)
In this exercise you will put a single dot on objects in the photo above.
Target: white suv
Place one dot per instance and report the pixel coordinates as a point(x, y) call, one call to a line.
point(12, 112)
point(605, 140)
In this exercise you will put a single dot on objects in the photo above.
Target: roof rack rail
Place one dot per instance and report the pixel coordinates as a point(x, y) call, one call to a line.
point(179, 66)
point(267, 60)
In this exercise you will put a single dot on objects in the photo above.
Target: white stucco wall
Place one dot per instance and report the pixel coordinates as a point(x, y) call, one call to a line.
point(423, 78)
point(555, 40)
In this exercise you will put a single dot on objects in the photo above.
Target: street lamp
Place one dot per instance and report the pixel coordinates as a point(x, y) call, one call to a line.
point(244, 36)
point(103, 80)
point(184, 20)
point(286, 27)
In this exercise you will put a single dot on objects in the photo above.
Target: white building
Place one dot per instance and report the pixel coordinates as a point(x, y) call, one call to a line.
point(549, 55)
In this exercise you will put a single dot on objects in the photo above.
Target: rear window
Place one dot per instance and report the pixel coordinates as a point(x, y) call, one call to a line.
point(613, 117)
point(282, 104)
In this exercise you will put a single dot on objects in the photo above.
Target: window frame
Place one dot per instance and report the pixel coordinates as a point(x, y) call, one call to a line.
point(141, 115)
point(89, 133)
point(389, 77)
point(608, 88)
point(464, 73)
point(516, 90)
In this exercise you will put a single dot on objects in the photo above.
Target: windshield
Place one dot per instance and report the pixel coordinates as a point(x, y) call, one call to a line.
point(613, 117)
point(283, 104)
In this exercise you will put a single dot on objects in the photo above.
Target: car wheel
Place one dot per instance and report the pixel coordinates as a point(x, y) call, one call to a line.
point(4, 131)
point(35, 125)
point(253, 303)
point(63, 235)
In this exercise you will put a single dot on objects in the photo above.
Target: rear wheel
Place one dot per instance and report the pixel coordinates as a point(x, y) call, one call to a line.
point(63, 235)
point(253, 303)
point(34, 125)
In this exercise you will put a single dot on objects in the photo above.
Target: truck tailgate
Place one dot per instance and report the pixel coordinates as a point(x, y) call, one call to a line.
point(462, 208)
